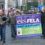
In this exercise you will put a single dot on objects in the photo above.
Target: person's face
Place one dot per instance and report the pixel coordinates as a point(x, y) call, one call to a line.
point(44, 10)
point(11, 13)
point(1, 12)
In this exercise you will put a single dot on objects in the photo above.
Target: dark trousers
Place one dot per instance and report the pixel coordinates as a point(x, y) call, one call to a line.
point(43, 29)
point(13, 30)
point(2, 32)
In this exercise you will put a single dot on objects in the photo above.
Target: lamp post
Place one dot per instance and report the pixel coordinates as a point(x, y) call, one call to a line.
point(6, 7)
point(16, 3)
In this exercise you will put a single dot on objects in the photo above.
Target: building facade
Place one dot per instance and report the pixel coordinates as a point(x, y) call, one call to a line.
point(2, 3)
point(14, 3)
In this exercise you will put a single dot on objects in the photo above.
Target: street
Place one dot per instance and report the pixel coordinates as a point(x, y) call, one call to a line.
point(22, 41)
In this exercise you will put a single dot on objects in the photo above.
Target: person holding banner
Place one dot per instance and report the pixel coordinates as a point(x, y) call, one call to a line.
point(12, 23)
point(43, 21)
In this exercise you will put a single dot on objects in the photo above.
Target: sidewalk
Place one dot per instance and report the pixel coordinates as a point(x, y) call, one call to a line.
point(0, 43)
point(30, 41)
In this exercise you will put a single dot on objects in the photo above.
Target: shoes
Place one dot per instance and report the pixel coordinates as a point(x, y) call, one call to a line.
point(3, 41)
point(43, 37)
point(0, 39)
point(13, 36)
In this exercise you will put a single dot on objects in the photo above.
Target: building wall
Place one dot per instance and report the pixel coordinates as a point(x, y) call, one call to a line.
point(11, 3)
point(2, 3)
point(2, 0)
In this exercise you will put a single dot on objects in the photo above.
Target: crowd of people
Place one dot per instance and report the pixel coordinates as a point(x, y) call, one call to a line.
point(10, 20)
point(21, 12)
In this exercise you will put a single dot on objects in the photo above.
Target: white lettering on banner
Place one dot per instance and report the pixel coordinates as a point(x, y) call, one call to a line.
point(32, 20)
point(28, 21)
point(19, 21)
point(37, 20)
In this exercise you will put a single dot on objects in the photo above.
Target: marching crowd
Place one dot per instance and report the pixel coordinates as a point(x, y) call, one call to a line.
point(10, 20)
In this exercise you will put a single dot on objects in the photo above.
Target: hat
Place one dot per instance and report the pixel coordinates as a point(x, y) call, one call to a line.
point(18, 10)
point(43, 8)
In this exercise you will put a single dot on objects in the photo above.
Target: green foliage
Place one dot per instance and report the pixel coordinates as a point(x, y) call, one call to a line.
point(44, 2)
point(29, 4)
point(35, 4)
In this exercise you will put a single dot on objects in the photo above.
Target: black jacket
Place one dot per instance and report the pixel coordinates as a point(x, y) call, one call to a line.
point(43, 17)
